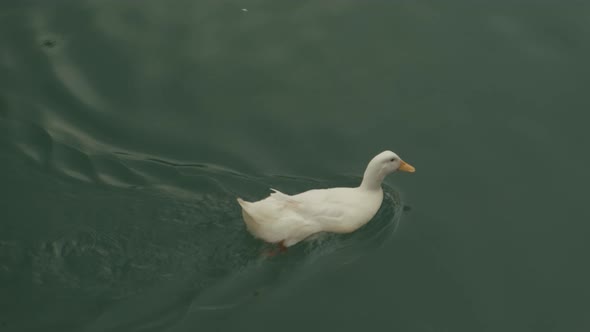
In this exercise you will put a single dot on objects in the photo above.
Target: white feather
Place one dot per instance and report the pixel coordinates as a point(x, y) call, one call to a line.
point(291, 219)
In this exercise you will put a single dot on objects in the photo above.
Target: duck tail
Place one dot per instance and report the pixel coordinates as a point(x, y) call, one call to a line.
point(250, 222)
point(242, 202)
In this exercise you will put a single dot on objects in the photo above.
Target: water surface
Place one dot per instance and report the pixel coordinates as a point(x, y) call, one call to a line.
point(127, 130)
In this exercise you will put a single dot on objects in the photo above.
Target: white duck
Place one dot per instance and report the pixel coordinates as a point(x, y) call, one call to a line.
point(287, 220)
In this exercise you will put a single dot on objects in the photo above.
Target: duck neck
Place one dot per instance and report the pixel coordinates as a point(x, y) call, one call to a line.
point(372, 178)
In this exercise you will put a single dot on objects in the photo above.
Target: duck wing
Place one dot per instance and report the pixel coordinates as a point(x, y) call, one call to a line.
point(320, 207)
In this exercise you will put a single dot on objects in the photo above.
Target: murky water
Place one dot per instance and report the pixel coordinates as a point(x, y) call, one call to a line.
point(127, 130)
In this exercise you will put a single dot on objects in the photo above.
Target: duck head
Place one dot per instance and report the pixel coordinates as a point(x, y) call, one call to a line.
point(380, 166)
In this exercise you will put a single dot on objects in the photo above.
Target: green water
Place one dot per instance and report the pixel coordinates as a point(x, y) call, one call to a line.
point(127, 130)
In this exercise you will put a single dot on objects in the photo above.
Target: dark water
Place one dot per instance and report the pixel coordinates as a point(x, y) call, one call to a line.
point(128, 128)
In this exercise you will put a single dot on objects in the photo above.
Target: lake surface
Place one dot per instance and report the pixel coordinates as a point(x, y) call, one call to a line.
point(127, 130)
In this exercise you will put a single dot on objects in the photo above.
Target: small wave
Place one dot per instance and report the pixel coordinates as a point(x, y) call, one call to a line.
point(178, 240)
point(145, 227)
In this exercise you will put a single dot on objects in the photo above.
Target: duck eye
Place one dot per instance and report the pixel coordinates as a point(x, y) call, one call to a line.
point(392, 159)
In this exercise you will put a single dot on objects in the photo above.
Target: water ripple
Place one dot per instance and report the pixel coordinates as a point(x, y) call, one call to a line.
point(166, 238)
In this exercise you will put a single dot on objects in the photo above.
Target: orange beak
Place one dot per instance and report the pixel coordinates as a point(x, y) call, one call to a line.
point(405, 167)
